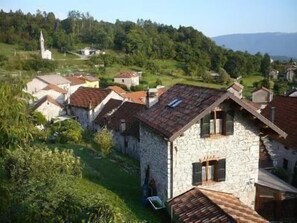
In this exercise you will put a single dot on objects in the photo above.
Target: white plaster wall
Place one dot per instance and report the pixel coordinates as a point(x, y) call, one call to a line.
point(129, 82)
point(75, 87)
point(279, 153)
point(35, 85)
point(50, 110)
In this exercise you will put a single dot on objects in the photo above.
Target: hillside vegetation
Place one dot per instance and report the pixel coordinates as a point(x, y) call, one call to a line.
point(140, 44)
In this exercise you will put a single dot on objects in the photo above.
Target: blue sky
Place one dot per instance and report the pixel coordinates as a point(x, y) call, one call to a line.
point(212, 17)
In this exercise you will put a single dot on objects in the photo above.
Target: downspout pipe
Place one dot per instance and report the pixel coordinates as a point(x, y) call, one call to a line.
point(171, 170)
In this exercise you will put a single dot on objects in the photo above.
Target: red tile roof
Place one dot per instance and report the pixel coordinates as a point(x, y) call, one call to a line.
point(75, 80)
point(43, 100)
point(127, 74)
point(55, 88)
point(86, 96)
point(285, 118)
point(117, 89)
point(111, 105)
point(136, 97)
point(202, 205)
point(195, 103)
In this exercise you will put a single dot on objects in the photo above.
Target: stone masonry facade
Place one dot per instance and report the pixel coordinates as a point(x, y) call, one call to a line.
point(241, 151)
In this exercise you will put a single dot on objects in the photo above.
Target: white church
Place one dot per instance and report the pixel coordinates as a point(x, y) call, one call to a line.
point(45, 54)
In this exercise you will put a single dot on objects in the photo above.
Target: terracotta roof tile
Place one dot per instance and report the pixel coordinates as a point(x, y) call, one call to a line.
point(136, 97)
point(84, 96)
point(43, 100)
point(202, 205)
point(111, 105)
point(75, 80)
point(55, 88)
point(285, 118)
point(117, 90)
point(127, 74)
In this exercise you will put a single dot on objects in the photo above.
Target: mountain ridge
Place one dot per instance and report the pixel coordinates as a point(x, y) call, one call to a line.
point(273, 43)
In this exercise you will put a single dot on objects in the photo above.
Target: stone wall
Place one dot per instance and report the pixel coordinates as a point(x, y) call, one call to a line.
point(279, 152)
point(131, 147)
point(241, 151)
point(154, 153)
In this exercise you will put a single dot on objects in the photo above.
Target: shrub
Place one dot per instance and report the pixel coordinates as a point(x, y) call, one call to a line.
point(67, 131)
point(104, 141)
point(24, 164)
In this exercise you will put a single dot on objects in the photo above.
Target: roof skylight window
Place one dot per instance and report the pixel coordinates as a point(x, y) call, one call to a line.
point(174, 103)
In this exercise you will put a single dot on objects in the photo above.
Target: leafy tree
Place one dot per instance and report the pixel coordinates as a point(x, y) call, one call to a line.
point(104, 141)
point(280, 87)
point(67, 131)
point(224, 77)
point(16, 127)
point(265, 64)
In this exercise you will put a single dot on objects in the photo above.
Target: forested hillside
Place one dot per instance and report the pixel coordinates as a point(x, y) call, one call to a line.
point(141, 41)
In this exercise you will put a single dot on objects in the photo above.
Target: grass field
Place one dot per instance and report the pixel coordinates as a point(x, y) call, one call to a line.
point(117, 177)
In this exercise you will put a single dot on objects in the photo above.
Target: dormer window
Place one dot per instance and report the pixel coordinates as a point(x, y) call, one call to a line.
point(217, 122)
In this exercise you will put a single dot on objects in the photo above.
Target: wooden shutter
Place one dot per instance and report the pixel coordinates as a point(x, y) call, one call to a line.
point(220, 170)
point(228, 123)
point(197, 174)
point(205, 126)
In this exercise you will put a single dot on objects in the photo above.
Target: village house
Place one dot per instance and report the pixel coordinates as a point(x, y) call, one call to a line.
point(55, 92)
point(90, 81)
point(49, 107)
point(236, 89)
point(127, 78)
point(86, 103)
point(292, 93)
point(282, 111)
point(262, 96)
point(195, 136)
point(119, 117)
point(41, 82)
point(273, 74)
point(75, 83)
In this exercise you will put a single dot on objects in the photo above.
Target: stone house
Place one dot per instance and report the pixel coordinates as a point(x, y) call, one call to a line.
point(119, 117)
point(49, 107)
point(90, 81)
point(127, 78)
point(86, 103)
point(282, 111)
point(262, 96)
point(273, 74)
point(195, 136)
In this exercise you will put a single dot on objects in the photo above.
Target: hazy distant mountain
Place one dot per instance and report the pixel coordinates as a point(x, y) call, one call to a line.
point(275, 44)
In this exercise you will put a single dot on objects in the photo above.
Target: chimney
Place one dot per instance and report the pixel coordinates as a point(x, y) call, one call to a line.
point(122, 125)
point(272, 114)
point(151, 97)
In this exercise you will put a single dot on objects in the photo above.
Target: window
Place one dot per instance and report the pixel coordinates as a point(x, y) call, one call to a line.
point(285, 164)
point(217, 122)
point(211, 170)
point(123, 80)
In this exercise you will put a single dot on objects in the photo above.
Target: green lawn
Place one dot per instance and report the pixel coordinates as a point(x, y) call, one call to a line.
point(248, 84)
point(117, 176)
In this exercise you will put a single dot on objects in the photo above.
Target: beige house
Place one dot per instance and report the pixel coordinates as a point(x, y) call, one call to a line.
point(127, 78)
point(201, 137)
point(262, 96)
